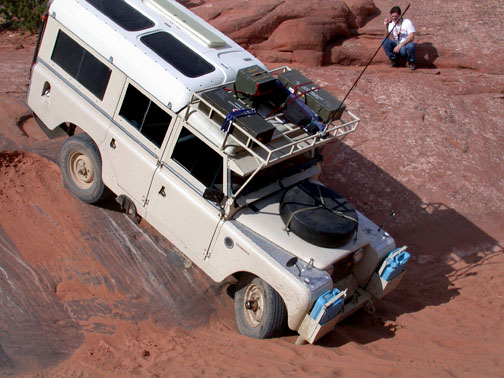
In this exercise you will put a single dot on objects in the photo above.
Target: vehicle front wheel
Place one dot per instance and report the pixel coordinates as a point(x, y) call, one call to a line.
point(259, 310)
point(80, 164)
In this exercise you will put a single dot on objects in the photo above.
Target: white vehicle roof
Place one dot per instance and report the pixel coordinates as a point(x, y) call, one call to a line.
point(127, 52)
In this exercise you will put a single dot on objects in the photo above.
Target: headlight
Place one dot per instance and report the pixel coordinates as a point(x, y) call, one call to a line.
point(358, 256)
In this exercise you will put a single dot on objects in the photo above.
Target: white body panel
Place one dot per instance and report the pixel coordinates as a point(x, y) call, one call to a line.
point(181, 213)
point(266, 221)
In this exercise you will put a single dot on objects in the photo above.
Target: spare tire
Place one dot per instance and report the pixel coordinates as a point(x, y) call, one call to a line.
point(318, 215)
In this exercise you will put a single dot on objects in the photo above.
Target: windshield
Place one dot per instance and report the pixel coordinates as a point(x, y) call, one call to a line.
point(273, 174)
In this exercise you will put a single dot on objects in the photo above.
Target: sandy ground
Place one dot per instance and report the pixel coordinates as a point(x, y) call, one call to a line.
point(85, 292)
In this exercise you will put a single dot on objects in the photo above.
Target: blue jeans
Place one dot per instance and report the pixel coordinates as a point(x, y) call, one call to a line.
point(407, 50)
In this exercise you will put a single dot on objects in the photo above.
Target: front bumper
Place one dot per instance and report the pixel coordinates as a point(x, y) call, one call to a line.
point(322, 318)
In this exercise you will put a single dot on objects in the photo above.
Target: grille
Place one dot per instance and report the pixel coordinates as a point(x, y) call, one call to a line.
point(343, 268)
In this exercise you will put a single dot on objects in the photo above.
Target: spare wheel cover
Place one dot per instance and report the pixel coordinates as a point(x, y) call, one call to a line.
point(318, 215)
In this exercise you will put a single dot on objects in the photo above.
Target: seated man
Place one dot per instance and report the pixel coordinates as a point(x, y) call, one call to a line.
point(403, 33)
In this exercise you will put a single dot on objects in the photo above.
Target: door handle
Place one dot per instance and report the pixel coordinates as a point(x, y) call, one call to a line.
point(162, 191)
point(113, 143)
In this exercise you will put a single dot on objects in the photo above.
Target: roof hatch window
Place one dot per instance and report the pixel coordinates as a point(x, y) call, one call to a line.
point(122, 14)
point(181, 57)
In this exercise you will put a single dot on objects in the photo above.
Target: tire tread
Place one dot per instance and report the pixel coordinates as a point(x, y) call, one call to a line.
point(275, 317)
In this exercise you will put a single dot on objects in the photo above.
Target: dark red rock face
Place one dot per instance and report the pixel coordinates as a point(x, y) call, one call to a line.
point(286, 31)
point(313, 33)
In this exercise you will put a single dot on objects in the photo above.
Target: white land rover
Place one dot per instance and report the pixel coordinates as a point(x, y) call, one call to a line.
point(192, 133)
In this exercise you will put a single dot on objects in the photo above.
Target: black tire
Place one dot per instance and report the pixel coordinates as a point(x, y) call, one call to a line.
point(318, 215)
point(81, 168)
point(259, 310)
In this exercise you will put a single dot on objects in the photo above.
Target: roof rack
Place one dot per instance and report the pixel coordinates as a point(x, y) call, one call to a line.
point(288, 139)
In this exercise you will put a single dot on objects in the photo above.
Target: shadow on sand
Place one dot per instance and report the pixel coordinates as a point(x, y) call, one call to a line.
point(152, 281)
point(437, 236)
point(426, 55)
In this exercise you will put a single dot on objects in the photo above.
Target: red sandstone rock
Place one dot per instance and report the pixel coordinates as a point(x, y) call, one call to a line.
point(292, 31)
point(449, 34)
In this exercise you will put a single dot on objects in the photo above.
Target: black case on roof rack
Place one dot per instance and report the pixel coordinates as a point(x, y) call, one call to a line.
point(226, 103)
point(255, 81)
point(327, 107)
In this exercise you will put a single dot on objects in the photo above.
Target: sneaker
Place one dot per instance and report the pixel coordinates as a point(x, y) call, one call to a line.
point(412, 66)
point(393, 63)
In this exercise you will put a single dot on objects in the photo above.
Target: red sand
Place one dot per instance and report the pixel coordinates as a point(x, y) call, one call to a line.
point(84, 292)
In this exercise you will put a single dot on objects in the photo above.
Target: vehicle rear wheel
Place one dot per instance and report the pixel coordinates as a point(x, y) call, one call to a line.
point(259, 310)
point(80, 164)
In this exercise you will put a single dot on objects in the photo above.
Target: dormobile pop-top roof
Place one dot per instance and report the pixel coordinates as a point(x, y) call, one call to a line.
point(129, 52)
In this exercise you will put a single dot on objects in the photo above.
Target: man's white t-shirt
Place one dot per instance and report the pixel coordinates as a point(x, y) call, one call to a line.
point(401, 30)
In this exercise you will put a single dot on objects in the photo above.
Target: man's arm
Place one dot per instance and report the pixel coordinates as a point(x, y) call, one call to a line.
point(411, 38)
point(386, 23)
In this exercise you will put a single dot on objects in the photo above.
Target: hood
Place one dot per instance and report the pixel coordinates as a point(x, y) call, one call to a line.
point(263, 217)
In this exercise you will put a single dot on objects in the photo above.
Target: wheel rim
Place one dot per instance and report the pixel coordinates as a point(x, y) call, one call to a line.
point(253, 301)
point(81, 170)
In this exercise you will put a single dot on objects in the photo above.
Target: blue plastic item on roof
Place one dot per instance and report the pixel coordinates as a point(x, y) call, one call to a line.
point(332, 310)
point(231, 117)
point(395, 265)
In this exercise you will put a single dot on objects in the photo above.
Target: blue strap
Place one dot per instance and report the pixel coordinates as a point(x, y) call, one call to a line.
point(320, 126)
point(231, 117)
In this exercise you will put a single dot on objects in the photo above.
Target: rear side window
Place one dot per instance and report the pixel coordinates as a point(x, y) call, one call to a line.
point(81, 65)
point(145, 116)
point(174, 52)
point(122, 14)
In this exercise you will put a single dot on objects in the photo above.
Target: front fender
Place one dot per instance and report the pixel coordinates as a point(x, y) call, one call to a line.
point(236, 248)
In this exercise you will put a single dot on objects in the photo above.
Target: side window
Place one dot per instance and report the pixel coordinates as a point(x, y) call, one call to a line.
point(199, 159)
point(145, 116)
point(81, 65)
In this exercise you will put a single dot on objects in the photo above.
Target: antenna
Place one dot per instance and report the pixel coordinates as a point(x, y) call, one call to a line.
point(392, 214)
point(370, 60)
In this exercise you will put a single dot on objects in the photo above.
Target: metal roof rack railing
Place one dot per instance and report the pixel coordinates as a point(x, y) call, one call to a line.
point(288, 139)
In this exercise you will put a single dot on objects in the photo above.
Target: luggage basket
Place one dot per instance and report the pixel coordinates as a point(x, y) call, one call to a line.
point(287, 140)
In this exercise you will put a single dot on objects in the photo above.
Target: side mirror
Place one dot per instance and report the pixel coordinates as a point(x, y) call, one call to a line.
point(213, 195)
point(293, 262)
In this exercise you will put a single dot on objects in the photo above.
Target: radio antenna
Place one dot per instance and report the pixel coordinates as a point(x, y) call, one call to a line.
point(370, 60)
